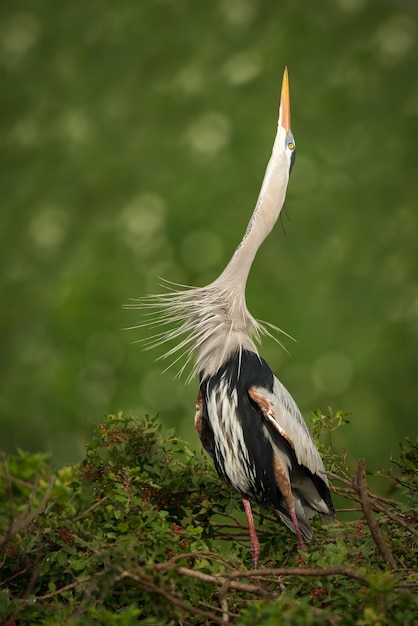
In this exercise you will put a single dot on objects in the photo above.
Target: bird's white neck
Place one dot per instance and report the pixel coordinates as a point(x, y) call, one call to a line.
point(269, 205)
point(233, 325)
point(214, 320)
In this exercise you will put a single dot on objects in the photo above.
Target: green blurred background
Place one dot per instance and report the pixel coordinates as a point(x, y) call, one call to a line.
point(134, 138)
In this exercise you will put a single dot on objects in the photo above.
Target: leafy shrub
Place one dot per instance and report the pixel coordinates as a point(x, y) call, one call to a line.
point(142, 531)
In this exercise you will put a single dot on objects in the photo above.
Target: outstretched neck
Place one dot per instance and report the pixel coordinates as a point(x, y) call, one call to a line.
point(269, 205)
point(227, 323)
point(214, 320)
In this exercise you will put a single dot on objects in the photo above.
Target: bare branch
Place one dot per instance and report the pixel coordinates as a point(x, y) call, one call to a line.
point(395, 518)
point(221, 579)
point(150, 586)
point(371, 520)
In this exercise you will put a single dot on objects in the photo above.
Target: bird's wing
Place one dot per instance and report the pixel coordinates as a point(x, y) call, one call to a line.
point(202, 425)
point(282, 413)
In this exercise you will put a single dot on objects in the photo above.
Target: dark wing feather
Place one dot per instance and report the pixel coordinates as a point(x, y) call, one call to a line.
point(307, 475)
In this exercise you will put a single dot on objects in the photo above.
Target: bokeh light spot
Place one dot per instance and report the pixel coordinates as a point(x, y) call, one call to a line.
point(395, 38)
point(76, 127)
point(18, 36)
point(190, 79)
point(238, 12)
point(48, 228)
point(332, 372)
point(351, 6)
point(243, 67)
point(142, 218)
point(209, 134)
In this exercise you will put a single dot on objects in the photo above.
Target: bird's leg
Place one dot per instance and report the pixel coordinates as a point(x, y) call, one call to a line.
point(254, 544)
point(283, 483)
point(302, 544)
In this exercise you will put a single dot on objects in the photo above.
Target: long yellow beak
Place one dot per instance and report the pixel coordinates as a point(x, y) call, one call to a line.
point(284, 111)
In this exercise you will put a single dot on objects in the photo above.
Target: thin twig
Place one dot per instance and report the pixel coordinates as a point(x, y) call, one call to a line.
point(220, 581)
point(217, 609)
point(150, 586)
point(206, 554)
point(76, 583)
point(27, 517)
point(394, 503)
point(90, 509)
point(340, 479)
point(371, 520)
point(397, 519)
point(13, 479)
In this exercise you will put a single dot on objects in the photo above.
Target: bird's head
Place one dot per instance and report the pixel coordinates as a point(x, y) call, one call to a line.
point(285, 134)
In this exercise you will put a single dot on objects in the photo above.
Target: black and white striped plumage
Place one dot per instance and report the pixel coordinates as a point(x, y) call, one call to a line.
point(251, 427)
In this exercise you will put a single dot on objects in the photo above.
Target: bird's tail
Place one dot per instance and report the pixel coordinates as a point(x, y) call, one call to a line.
point(304, 511)
point(304, 525)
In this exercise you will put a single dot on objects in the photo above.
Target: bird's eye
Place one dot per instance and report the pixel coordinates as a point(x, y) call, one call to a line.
point(291, 145)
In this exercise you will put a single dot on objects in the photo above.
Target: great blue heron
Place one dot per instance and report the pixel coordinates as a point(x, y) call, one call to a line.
point(247, 421)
